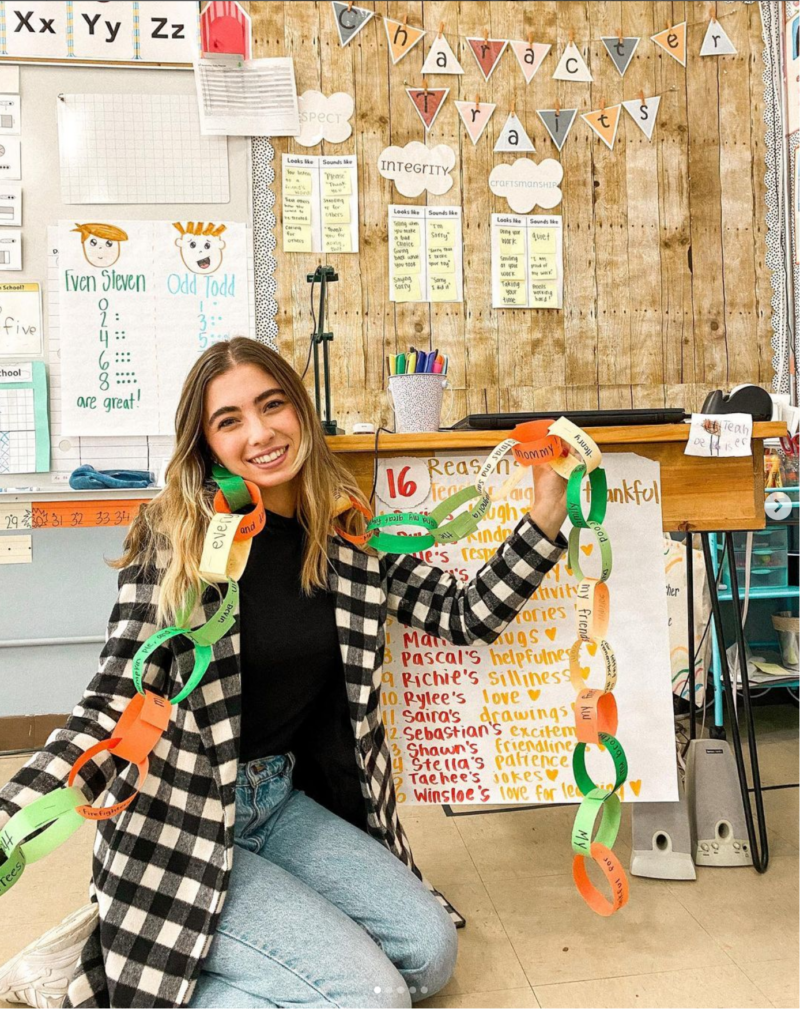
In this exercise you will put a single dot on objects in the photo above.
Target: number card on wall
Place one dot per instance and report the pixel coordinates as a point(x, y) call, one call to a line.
point(320, 203)
point(527, 261)
point(425, 260)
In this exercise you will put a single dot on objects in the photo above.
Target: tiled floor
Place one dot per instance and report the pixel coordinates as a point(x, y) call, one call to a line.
point(730, 939)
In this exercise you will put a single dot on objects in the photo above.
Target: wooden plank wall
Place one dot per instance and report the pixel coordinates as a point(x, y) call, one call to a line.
point(666, 293)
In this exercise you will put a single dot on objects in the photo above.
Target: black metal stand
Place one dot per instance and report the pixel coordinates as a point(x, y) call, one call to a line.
point(323, 275)
point(759, 847)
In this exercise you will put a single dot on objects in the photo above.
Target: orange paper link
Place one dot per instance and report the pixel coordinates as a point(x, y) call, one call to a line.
point(250, 524)
point(354, 538)
point(614, 873)
point(595, 712)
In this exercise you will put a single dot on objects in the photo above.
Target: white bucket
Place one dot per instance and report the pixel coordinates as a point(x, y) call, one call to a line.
point(417, 401)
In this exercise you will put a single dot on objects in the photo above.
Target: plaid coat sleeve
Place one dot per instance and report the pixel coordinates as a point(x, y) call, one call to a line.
point(94, 717)
point(435, 601)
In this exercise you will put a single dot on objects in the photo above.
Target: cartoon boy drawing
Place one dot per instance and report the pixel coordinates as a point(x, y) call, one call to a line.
point(201, 246)
point(101, 243)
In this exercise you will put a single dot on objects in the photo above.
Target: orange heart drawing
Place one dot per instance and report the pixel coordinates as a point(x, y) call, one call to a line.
point(587, 549)
point(551, 633)
point(636, 786)
point(552, 775)
point(534, 694)
point(591, 647)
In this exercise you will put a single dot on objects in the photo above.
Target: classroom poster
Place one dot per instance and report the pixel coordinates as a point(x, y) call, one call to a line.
point(320, 203)
point(425, 261)
point(139, 300)
point(527, 261)
point(481, 724)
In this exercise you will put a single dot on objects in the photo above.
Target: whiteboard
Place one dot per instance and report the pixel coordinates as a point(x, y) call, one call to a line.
point(42, 208)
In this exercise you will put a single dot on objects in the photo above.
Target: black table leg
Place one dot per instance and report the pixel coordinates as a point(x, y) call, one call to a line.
point(759, 851)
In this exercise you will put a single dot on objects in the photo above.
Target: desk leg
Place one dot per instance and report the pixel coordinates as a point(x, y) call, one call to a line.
point(760, 852)
point(691, 671)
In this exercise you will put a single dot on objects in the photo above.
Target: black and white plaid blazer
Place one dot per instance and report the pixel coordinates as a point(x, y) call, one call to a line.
point(161, 867)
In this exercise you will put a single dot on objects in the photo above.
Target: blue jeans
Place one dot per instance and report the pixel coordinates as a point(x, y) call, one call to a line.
point(318, 913)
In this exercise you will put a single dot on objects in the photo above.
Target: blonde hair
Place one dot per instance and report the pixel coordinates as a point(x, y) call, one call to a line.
point(177, 518)
point(200, 228)
point(106, 231)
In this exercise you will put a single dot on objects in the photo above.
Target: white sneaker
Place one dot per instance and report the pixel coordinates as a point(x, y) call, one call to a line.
point(40, 974)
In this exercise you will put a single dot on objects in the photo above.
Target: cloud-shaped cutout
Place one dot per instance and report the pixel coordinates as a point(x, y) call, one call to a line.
point(324, 118)
point(415, 168)
point(526, 184)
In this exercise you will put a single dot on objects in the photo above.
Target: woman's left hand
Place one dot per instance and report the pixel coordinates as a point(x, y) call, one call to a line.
point(549, 509)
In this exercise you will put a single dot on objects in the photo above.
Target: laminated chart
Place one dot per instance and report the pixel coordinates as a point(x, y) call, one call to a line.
point(24, 431)
point(527, 261)
point(478, 724)
point(320, 203)
point(425, 254)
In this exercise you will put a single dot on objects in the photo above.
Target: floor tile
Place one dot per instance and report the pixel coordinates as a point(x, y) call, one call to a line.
point(510, 998)
point(778, 979)
point(439, 850)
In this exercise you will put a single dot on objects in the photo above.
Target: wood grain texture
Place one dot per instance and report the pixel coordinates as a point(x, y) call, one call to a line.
point(666, 291)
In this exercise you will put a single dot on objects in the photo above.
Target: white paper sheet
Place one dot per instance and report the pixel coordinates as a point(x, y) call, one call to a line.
point(247, 98)
point(527, 261)
point(425, 254)
point(320, 203)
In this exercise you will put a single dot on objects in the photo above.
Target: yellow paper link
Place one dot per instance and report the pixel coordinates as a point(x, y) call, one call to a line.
point(223, 558)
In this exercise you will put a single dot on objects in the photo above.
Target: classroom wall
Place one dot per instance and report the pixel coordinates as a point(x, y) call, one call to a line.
point(667, 295)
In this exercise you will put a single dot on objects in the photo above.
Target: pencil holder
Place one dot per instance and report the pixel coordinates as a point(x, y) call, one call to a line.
point(417, 401)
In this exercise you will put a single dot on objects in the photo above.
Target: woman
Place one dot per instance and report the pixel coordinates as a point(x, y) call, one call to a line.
point(246, 872)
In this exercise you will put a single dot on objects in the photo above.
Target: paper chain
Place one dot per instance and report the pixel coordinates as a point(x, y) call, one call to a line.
point(54, 817)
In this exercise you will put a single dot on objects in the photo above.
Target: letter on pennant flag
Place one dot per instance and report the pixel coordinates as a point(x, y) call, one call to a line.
point(558, 123)
point(572, 66)
point(349, 20)
point(513, 136)
point(475, 116)
point(441, 59)
point(717, 42)
point(644, 113)
point(401, 38)
point(673, 40)
point(620, 50)
point(529, 56)
point(604, 122)
point(428, 103)
point(487, 53)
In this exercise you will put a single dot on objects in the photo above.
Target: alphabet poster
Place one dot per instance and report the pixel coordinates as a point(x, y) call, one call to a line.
point(494, 723)
point(139, 300)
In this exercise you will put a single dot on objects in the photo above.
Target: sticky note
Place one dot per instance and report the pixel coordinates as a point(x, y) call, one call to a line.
point(442, 287)
point(441, 260)
point(544, 294)
point(542, 240)
point(296, 237)
point(297, 181)
point(441, 233)
point(405, 287)
point(297, 209)
point(511, 240)
point(337, 238)
point(336, 182)
point(407, 235)
point(511, 267)
point(543, 267)
point(407, 260)
point(336, 211)
point(513, 293)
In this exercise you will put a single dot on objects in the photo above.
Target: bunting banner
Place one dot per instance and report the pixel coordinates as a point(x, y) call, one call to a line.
point(513, 137)
point(673, 41)
point(558, 123)
point(530, 56)
point(717, 41)
point(349, 20)
point(621, 51)
point(487, 53)
point(441, 59)
point(475, 116)
point(643, 113)
point(572, 66)
point(428, 102)
point(604, 122)
point(401, 38)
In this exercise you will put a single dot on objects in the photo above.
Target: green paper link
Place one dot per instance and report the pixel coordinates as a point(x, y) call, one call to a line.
point(390, 544)
point(11, 869)
point(598, 485)
point(464, 524)
point(401, 519)
point(233, 487)
point(573, 550)
point(610, 809)
point(57, 809)
point(582, 779)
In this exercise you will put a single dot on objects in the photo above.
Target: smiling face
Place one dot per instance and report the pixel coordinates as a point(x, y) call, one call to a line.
point(101, 251)
point(254, 431)
point(201, 253)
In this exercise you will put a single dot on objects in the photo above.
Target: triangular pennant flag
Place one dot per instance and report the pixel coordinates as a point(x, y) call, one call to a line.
point(557, 123)
point(475, 116)
point(673, 40)
point(349, 20)
point(428, 103)
point(620, 50)
point(441, 59)
point(572, 66)
point(401, 38)
point(644, 113)
point(604, 122)
point(487, 53)
point(530, 56)
point(513, 136)
point(716, 42)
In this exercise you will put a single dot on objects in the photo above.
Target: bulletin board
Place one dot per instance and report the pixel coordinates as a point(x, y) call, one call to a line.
point(666, 290)
point(43, 208)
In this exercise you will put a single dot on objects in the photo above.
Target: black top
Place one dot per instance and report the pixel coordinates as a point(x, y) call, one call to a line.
point(290, 659)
